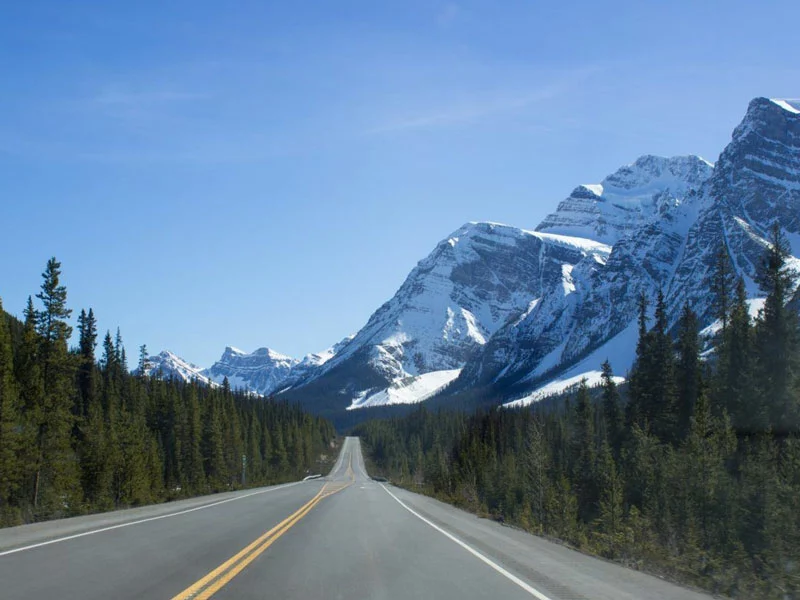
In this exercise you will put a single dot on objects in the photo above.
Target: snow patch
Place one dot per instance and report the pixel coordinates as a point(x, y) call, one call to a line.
point(560, 386)
point(754, 306)
point(790, 104)
point(409, 390)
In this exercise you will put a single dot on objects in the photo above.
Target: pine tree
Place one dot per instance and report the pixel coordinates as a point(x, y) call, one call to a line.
point(583, 454)
point(661, 377)
point(144, 364)
point(722, 284)
point(212, 445)
point(709, 443)
point(639, 390)
point(535, 461)
point(734, 390)
point(777, 336)
point(58, 481)
point(612, 412)
point(688, 373)
point(10, 439)
point(610, 519)
point(87, 328)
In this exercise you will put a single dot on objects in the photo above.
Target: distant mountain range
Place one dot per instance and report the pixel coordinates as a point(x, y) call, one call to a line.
point(520, 314)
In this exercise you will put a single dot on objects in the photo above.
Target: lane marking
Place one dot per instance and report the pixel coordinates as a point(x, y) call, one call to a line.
point(510, 576)
point(224, 573)
point(210, 584)
point(147, 520)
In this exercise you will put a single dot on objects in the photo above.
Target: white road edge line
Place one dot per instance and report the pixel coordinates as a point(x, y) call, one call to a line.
point(140, 521)
point(531, 590)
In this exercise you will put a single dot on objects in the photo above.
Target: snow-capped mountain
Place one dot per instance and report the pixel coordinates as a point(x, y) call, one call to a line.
point(520, 314)
point(266, 371)
point(474, 281)
point(755, 183)
point(169, 365)
point(513, 311)
point(262, 371)
point(624, 201)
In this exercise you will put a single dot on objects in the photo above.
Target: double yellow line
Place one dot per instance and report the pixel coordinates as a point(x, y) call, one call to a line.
point(219, 577)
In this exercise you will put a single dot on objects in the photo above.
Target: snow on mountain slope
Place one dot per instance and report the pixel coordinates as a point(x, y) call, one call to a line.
point(561, 385)
point(409, 390)
point(168, 365)
point(472, 283)
point(600, 300)
point(755, 183)
point(628, 198)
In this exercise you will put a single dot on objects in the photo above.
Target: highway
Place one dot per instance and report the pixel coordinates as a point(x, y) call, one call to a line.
point(342, 536)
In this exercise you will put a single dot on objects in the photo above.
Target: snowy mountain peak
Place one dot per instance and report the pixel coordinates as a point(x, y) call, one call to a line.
point(628, 198)
point(263, 370)
point(167, 364)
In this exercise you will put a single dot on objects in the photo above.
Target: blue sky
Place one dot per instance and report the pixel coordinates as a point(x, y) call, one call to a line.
point(256, 173)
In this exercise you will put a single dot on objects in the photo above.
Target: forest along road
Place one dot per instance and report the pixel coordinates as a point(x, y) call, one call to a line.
point(343, 536)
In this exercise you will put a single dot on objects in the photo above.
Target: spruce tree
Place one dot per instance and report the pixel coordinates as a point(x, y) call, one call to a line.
point(722, 284)
point(583, 454)
point(688, 372)
point(58, 481)
point(661, 406)
point(10, 439)
point(612, 412)
point(777, 336)
point(535, 462)
point(87, 328)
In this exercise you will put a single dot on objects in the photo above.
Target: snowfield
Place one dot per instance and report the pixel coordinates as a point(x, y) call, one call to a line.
point(559, 386)
point(409, 390)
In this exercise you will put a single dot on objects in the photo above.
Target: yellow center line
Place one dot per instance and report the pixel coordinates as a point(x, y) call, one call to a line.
point(210, 584)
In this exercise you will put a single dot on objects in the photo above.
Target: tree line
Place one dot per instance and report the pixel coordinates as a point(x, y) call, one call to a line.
point(691, 469)
point(80, 433)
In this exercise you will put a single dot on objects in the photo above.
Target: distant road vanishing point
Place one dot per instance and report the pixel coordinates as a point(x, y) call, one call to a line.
point(342, 536)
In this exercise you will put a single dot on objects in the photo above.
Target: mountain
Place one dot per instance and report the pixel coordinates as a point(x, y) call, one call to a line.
point(263, 371)
point(509, 311)
point(266, 371)
point(634, 195)
point(474, 281)
point(510, 315)
point(755, 183)
point(169, 365)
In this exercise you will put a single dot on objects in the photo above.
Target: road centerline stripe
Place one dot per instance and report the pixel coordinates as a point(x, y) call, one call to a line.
point(508, 575)
point(211, 583)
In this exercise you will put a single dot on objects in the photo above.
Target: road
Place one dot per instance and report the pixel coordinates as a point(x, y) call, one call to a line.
point(343, 536)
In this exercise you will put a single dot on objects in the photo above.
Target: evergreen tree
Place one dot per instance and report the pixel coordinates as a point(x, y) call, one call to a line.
point(735, 377)
point(612, 412)
point(87, 328)
point(777, 336)
point(584, 454)
point(535, 463)
point(610, 519)
point(661, 408)
point(144, 364)
point(688, 373)
point(10, 440)
point(57, 480)
point(722, 284)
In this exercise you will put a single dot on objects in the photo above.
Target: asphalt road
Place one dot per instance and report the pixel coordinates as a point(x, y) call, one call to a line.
point(344, 536)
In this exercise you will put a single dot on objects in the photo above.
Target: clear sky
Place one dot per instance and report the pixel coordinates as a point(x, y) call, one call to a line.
point(266, 174)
